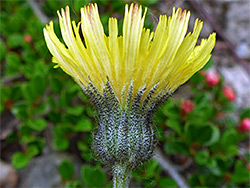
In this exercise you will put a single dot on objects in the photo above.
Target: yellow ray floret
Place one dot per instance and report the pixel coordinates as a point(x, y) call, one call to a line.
point(167, 57)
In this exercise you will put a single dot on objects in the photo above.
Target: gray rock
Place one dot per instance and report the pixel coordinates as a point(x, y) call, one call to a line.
point(238, 26)
point(8, 176)
point(243, 50)
point(42, 171)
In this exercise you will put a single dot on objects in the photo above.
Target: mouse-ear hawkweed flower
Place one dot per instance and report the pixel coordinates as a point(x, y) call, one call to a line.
point(127, 77)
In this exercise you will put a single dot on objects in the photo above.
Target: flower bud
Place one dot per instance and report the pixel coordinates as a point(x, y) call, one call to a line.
point(244, 125)
point(229, 93)
point(187, 106)
point(212, 78)
point(28, 38)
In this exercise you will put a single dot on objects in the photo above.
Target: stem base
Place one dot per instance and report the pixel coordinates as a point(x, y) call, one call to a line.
point(121, 176)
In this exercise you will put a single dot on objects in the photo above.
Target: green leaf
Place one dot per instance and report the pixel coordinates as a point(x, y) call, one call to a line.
point(33, 150)
point(202, 112)
point(214, 137)
point(147, 2)
point(66, 99)
point(66, 169)
point(78, 4)
point(13, 64)
point(109, 184)
point(41, 107)
point(2, 50)
point(229, 122)
point(229, 138)
point(83, 125)
point(201, 157)
point(230, 107)
point(54, 5)
point(40, 143)
point(14, 24)
point(38, 85)
point(39, 46)
point(27, 92)
point(173, 147)
point(82, 146)
point(213, 167)
point(37, 124)
point(202, 99)
point(150, 182)
point(175, 125)
point(74, 89)
point(152, 168)
point(205, 134)
point(12, 137)
point(74, 184)
point(240, 174)
point(61, 143)
point(104, 20)
point(86, 156)
point(25, 130)
point(90, 111)
point(232, 150)
point(61, 130)
point(15, 41)
point(4, 17)
point(193, 180)
point(16, 93)
point(245, 113)
point(26, 139)
point(26, 134)
point(55, 84)
point(225, 163)
point(30, 58)
point(34, 88)
point(76, 110)
point(93, 176)
point(20, 160)
point(1, 108)
point(167, 183)
point(24, 11)
point(197, 78)
point(170, 110)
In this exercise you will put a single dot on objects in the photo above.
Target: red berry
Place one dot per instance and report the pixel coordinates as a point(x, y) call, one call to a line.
point(187, 106)
point(28, 38)
point(229, 93)
point(212, 78)
point(244, 125)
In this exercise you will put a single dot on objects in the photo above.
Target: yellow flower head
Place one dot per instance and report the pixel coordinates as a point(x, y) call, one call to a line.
point(146, 61)
point(127, 77)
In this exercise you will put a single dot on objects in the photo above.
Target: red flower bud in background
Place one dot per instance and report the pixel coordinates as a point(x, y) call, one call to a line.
point(27, 38)
point(187, 106)
point(244, 125)
point(212, 78)
point(229, 93)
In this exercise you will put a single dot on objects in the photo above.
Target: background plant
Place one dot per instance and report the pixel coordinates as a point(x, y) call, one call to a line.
point(36, 99)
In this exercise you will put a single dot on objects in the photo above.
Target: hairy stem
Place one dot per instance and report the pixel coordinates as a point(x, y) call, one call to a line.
point(121, 176)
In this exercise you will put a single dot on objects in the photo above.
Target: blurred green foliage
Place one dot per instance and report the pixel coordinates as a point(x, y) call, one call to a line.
point(44, 99)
